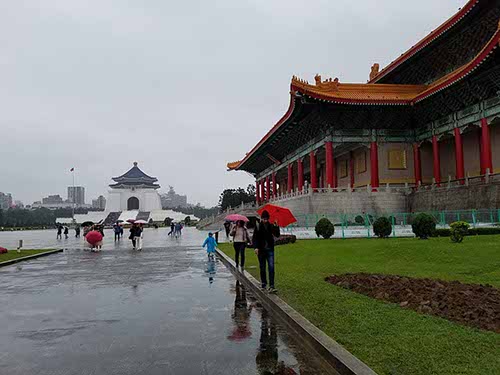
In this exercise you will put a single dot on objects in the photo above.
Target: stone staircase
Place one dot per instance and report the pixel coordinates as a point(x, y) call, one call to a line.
point(111, 218)
point(143, 215)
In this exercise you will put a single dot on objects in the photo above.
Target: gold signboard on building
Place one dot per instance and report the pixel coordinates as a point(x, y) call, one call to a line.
point(397, 159)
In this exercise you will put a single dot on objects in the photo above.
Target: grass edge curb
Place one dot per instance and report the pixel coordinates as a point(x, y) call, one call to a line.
point(16, 260)
point(331, 351)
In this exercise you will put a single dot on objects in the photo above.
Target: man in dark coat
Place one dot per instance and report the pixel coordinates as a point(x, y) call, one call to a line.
point(263, 242)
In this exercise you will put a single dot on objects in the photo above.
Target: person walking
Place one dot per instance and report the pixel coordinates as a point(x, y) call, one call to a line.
point(240, 240)
point(135, 236)
point(116, 229)
point(172, 228)
point(77, 231)
point(211, 245)
point(66, 232)
point(59, 232)
point(263, 243)
point(227, 227)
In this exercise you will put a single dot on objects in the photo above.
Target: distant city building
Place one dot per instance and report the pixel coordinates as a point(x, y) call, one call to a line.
point(173, 200)
point(52, 199)
point(76, 194)
point(99, 203)
point(53, 202)
point(5, 201)
point(19, 204)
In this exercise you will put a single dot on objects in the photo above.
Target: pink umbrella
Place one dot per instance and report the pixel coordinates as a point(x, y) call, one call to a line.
point(140, 222)
point(236, 217)
point(131, 221)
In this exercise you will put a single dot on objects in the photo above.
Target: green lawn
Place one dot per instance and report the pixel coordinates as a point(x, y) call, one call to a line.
point(13, 254)
point(388, 338)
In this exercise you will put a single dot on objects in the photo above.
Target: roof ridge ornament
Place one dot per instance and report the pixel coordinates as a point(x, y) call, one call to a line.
point(375, 71)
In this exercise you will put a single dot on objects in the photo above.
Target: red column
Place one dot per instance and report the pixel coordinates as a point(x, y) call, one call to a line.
point(486, 147)
point(329, 164)
point(290, 178)
point(314, 172)
point(374, 165)
point(268, 189)
point(275, 190)
point(417, 166)
point(351, 169)
point(257, 191)
point(436, 160)
point(300, 174)
point(459, 156)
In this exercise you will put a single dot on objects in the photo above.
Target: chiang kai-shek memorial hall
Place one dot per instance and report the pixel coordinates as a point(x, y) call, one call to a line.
point(429, 118)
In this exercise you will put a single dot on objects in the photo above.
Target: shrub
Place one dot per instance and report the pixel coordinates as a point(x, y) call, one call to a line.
point(324, 228)
point(382, 227)
point(459, 229)
point(285, 239)
point(359, 220)
point(423, 226)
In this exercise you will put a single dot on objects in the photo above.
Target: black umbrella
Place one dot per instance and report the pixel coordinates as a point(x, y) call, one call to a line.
point(87, 224)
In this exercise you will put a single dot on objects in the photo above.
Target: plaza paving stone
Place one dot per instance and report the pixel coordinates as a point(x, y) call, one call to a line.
point(165, 310)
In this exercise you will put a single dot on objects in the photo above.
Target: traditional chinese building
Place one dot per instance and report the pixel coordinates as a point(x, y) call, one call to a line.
point(134, 190)
point(428, 118)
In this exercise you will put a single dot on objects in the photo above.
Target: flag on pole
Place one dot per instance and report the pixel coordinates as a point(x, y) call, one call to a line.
point(72, 170)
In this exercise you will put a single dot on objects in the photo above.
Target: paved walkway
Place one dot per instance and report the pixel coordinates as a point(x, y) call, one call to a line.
point(165, 310)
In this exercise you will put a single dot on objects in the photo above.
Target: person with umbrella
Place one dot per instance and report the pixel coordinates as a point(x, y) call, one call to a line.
point(240, 240)
point(263, 243)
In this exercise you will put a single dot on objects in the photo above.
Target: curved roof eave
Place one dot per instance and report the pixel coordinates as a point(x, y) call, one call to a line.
point(447, 25)
point(286, 116)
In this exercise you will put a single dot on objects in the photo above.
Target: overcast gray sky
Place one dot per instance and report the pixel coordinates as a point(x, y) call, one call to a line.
point(182, 87)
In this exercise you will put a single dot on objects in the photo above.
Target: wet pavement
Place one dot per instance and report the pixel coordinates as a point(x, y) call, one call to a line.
point(165, 310)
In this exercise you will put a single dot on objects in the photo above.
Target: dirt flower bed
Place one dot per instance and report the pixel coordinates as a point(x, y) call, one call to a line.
point(473, 305)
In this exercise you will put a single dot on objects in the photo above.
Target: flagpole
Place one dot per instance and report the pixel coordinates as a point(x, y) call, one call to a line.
point(73, 173)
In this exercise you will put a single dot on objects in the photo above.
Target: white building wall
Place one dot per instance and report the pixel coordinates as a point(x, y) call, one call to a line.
point(149, 199)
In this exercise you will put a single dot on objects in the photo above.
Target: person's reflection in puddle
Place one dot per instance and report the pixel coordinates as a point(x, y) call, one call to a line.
point(211, 271)
point(267, 355)
point(241, 315)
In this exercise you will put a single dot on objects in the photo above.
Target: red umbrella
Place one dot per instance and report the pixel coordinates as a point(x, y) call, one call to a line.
point(236, 217)
point(280, 215)
point(3, 250)
point(131, 221)
point(93, 237)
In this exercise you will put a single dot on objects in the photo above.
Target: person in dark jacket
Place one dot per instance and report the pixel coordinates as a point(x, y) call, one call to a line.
point(263, 242)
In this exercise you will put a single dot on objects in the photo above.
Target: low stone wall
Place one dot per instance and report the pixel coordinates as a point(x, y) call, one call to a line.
point(381, 202)
point(455, 198)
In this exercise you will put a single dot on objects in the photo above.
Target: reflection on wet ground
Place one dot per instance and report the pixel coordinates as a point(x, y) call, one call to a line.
point(165, 310)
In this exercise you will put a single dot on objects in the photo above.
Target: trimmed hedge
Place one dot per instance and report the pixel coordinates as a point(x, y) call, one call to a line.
point(324, 228)
point(382, 227)
point(285, 239)
point(446, 232)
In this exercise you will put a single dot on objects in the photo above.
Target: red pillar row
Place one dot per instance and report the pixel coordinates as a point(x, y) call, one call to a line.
point(417, 165)
point(486, 159)
point(300, 174)
point(314, 172)
point(459, 156)
point(257, 191)
point(436, 160)
point(290, 178)
point(374, 165)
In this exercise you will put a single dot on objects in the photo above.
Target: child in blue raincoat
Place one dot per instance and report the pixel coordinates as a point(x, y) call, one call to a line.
point(210, 244)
